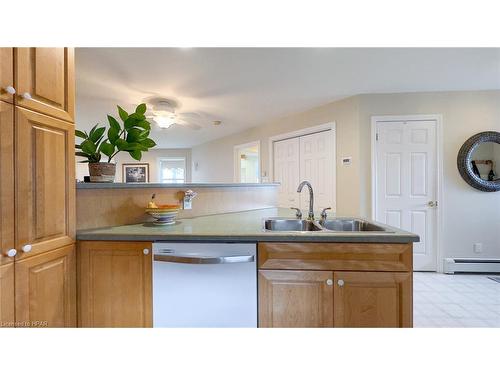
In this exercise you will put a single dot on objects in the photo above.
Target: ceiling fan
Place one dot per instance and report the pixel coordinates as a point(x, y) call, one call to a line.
point(163, 113)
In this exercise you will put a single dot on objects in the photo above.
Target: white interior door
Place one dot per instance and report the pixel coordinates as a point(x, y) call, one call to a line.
point(406, 191)
point(286, 171)
point(317, 166)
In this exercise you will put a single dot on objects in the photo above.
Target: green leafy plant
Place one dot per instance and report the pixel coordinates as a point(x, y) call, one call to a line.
point(132, 136)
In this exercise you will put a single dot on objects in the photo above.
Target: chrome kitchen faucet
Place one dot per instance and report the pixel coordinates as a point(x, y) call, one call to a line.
point(310, 215)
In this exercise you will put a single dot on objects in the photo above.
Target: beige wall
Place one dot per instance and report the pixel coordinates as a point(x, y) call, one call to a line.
point(469, 215)
point(215, 159)
point(150, 157)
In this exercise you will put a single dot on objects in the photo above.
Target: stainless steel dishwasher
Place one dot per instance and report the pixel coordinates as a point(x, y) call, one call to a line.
point(204, 284)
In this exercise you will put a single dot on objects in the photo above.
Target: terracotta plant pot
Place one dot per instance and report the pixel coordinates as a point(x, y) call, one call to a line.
point(102, 172)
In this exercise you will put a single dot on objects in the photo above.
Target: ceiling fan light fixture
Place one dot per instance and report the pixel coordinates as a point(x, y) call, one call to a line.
point(164, 119)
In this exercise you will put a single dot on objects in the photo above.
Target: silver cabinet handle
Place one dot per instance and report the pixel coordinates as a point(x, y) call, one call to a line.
point(145, 251)
point(10, 90)
point(204, 260)
point(27, 96)
point(11, 253)
point(26, 248)
point(329, 282)
point(340, 282)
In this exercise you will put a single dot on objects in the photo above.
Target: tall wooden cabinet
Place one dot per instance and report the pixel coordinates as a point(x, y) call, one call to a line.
point(46, 289)
point(45, 179)
point(45, 81)
point(7, 74)
point(37, 204)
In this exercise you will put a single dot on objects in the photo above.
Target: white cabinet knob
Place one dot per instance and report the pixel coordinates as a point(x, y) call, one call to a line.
point(11, 253)
point(10, 90)
point(329, 282)
point(145, 251)
point(26, 248)
point(27, 96)
point(340, 282)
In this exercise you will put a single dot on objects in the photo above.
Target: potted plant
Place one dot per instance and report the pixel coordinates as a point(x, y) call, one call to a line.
point(132, 136)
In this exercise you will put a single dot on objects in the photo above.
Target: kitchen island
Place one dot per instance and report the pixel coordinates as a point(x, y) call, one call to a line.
point(317, 278)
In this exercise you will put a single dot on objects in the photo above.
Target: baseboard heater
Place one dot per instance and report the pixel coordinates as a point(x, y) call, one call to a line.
point(480, 265)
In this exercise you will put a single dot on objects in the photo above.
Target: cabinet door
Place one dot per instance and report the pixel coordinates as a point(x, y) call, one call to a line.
point(295, 298)
point(45, 185)
point(6, 73)
point(47, 75)
point(46, 289)
point(7, 295)
point(373, 299)
point(115, 285)
point(6, 181)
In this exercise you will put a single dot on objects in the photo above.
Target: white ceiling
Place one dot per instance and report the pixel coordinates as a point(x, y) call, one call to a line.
point(245, 87)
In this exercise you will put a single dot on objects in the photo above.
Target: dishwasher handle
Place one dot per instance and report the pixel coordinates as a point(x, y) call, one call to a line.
point(204, 260)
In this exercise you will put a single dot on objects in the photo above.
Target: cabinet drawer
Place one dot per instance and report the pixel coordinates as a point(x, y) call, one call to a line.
point(335, 256)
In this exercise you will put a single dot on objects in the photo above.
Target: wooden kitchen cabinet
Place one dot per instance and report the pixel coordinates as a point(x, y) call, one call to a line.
point(373, 299)
point(37, 188)
point(7, 295)
point(46, 289)
point(6, 73)
point(335, 285)
point(295, 298)
point(114, 284)
point(45, 183)
point(45, 81)
point(6, 182)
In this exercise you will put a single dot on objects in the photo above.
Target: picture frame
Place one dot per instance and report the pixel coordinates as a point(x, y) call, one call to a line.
point(135, 173)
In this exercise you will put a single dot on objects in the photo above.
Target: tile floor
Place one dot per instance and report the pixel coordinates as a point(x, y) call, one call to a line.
point(461, 300)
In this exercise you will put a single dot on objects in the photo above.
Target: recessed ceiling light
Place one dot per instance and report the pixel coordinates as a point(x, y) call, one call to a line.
point(217, 122)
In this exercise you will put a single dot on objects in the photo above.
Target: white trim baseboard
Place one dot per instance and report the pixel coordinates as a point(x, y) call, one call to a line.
point(477, 265)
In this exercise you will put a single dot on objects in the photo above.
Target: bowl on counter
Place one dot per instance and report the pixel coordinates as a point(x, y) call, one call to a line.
point(164, 215)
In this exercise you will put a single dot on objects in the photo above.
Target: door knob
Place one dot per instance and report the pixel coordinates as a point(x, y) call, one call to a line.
point(10, 90)
point(26, 248)
point(432, 203)
point(145, 251)
point(11, 253)
point(27, 96)
point(340, 282)
point(329, 282)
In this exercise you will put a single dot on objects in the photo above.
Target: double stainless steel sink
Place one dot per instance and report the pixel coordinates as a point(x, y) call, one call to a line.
point(328, 225)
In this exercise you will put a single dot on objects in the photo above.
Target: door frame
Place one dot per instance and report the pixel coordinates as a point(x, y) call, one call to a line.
point(236, 173)
point(301, 132)
point(438, 118)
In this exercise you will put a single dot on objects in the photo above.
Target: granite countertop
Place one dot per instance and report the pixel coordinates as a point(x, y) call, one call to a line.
point(239, 227)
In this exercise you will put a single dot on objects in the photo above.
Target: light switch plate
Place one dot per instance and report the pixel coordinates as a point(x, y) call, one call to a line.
point(346, 160)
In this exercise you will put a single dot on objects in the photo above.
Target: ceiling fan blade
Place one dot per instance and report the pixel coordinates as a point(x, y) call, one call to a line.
point(193, 126)
point(190, 114)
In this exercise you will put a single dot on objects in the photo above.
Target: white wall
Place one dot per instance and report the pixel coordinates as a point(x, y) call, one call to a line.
point(150, 157)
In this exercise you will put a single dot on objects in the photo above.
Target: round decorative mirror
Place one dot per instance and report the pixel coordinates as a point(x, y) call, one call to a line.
point(478, 161)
